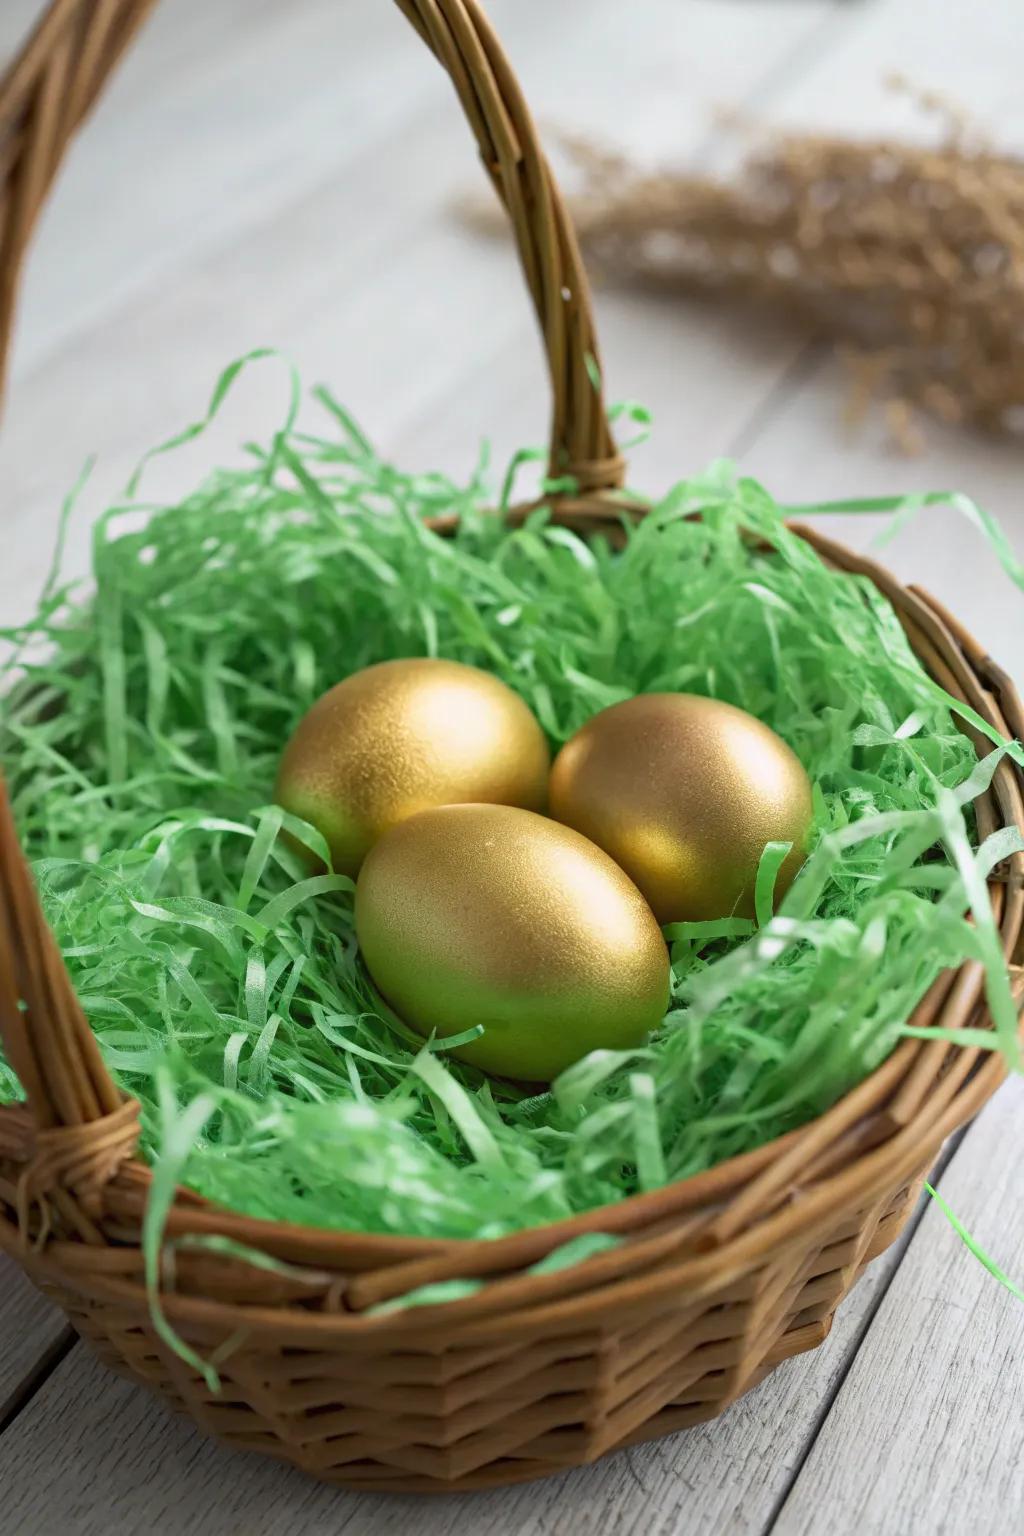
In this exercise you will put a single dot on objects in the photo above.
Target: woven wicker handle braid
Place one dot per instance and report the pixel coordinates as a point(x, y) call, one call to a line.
point(82, 1128)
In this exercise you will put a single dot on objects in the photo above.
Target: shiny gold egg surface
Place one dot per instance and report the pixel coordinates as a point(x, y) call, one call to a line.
point(402, 736)
point(684, 793)
point(485, 914)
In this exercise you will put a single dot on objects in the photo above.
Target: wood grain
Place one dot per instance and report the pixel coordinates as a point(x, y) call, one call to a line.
point(219, 114)
point(126, 1465)
point(31, 1331)
point(225, 116)
point(927, 1432)
point(361, 273)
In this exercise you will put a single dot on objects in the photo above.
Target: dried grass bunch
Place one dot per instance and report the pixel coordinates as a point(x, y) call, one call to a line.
point(910, 257)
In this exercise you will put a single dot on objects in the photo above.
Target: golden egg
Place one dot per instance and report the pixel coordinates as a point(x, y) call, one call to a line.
point(402, 736)
point(684, 793)
point(483, 914)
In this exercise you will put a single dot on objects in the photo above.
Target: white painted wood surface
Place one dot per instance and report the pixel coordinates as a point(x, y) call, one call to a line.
point(927, 1431)
point(31, 1333)
point(283, 174)
point(365, 278)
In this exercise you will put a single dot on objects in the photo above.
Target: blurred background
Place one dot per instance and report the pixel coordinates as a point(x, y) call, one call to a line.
point(295, 176)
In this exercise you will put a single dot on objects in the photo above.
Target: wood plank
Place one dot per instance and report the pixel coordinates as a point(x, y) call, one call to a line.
point(222, 115)
point(217, 116)
point(31, 1331)
point(972, 62)
point(798, 447)
point(927, 1432)
point(16, 20)
point(399, 310)
point(124, 1459)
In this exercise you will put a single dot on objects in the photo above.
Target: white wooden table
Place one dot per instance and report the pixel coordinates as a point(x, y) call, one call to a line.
point(270, 173)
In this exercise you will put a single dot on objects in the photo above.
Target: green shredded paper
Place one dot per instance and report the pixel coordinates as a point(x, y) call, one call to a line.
point(143, 723)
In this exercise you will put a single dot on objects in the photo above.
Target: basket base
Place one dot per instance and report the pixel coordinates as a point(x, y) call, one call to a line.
point(662, 1375)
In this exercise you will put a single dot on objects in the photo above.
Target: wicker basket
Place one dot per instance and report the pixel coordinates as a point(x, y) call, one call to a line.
point(718, 1278)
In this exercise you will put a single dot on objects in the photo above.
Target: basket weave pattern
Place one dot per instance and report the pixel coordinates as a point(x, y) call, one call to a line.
point(717, 1279)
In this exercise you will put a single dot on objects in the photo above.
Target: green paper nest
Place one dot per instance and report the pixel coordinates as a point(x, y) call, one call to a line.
point(141, 737)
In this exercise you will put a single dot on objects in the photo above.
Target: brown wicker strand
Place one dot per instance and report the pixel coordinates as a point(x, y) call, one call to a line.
point(82, 1158)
